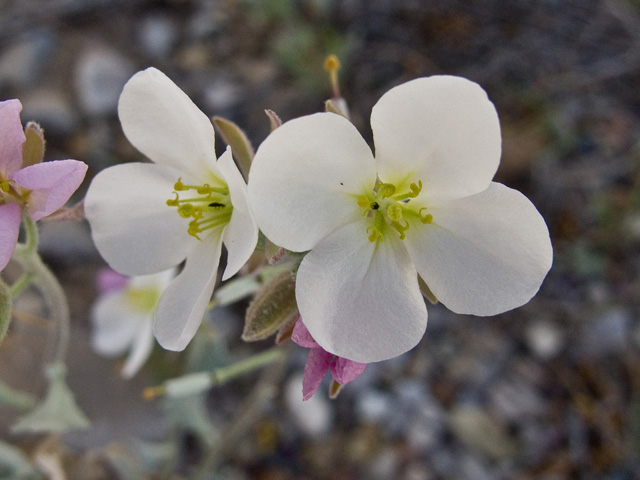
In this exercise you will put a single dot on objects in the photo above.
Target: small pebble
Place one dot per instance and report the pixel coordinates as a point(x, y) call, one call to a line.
point(314, 416)
point(100, 75)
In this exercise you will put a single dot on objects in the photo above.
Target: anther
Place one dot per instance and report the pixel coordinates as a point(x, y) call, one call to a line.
point(375, 234)
point(385, 190)
point(186, 210)
point(363, 202)
point(400, 228)
point(179, 186)
point(394, 212)
point(415, 189)
point(427, 218)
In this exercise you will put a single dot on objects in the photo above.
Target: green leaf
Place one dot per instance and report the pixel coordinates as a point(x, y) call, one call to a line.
point(14, 398)
point(273, 306)
point(59, 411)
point(33, 147)
point(240, 145)
point(15, 464)
point(5, 309)
point(190, 413)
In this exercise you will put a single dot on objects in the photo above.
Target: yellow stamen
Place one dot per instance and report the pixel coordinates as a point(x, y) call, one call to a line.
point(386, 190)
point(388, 209)
point(374, 233)
point(426, 218)
point(211, 209)
point(332, 65)
point(394, 212)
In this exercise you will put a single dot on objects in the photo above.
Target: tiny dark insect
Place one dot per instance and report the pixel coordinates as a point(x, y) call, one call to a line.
point(375, 206)
point(216, 204)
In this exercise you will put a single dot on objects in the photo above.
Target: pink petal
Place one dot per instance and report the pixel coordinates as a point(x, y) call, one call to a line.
point(10, 214)
point(52, 184)
point(344, 371)
point(108, 280)
point(302, 337)
point(314, 371)
point(11, 137)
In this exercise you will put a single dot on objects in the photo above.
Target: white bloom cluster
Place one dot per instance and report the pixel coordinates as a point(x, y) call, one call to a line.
point(423, 210)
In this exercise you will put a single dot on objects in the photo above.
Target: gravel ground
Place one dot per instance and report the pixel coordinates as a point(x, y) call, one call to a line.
point(548, 391)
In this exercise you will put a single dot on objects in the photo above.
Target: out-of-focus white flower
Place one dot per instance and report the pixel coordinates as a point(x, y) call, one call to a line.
point(425, 206)
point(122, 315)
point(146, 218)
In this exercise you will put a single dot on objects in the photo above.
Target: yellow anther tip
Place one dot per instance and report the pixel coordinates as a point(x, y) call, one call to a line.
point(331, 63)
point(363, 202)
point(179, 186)
point(150, 393)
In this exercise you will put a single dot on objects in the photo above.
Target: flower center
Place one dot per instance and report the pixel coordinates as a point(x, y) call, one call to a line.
point(208, 207)
point(11, 193)
point(391, 209)
point(143, 299)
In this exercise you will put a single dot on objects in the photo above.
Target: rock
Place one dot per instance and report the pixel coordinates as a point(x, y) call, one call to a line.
point(482, 432)
point(100, 75)
point(22, 62)
point(158, 35)
point(513, 399)
point(222, 94)
point(51, 109)
point(607, 333)
point(544, 338)
point(315, 416)
point(373, 406)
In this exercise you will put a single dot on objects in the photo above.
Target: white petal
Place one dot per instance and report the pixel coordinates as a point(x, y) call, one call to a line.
point(483, 254)
point(241, 234)
point(140, 349)
point(115, 324)
point(360, 300)
point(442, 130)
point(184, 302)
point(131, 224)
point(306, 177)
point(162, 122)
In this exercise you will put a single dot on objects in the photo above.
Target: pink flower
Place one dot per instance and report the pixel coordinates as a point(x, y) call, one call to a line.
point(40, 189)
point(320, 361)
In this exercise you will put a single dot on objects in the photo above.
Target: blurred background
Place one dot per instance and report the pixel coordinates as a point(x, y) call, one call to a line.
point(548, 391)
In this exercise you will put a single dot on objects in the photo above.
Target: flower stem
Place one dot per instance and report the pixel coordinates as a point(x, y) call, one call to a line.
point(19, 285)
point(224, 374)
point(39, 274)
point(248, 412)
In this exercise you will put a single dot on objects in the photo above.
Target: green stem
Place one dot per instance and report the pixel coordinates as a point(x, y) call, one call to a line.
point(31, 234)
point(264, 391)
point(40, 275)
point(19, 285)
point(224, 374)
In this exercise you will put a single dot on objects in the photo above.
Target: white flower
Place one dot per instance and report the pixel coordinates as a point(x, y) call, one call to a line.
point(425, 205)
point(146, 218)
point(122, 317)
